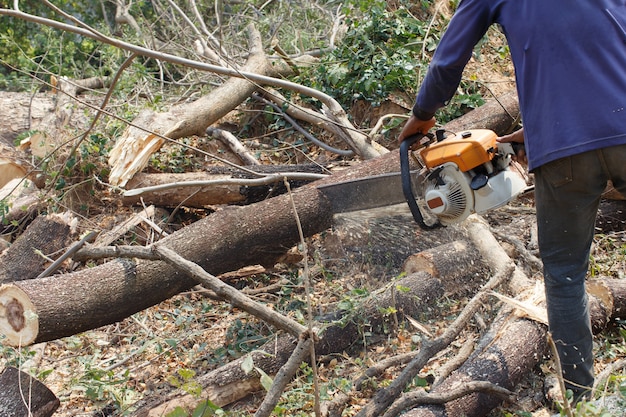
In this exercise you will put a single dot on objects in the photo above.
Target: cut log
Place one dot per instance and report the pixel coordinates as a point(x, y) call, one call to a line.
point(22, 395)
point(43, 237)
point(225, 241)
point(500, 115)
point(410, 295)
point(10, 168)
point(441, 261)
point(513, 346)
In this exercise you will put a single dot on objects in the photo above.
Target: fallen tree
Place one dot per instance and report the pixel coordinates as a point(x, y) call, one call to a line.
point(513, 347)
point(515, 343)
point(258, 234)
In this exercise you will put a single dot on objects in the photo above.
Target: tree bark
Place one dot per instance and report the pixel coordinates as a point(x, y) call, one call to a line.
point(500, 114)
point(22, 395)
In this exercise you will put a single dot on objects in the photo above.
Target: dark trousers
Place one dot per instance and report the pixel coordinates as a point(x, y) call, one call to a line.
point(567, 193)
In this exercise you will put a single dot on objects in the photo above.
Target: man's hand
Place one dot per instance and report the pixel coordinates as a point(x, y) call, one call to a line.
point(516, 137)
point(414, 126)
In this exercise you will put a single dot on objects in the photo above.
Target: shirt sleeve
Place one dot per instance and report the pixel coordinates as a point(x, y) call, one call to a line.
point(468, 25)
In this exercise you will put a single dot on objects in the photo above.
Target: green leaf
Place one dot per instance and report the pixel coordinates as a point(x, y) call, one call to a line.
point(205, 409)
point(248, 364)
point(266, 380)
point(177, 412)
point(186, 374)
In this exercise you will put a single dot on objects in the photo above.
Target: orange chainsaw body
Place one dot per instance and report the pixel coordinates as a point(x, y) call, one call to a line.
point(467, 150)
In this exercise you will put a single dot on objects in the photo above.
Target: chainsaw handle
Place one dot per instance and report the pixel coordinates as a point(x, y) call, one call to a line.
point(407, 187)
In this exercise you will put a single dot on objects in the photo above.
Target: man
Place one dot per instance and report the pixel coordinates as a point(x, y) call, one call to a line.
point(570, 67)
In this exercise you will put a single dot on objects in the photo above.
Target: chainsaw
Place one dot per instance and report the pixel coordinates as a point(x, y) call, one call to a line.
point(455, 175)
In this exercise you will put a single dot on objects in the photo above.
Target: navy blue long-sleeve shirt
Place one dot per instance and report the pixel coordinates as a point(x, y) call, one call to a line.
point(570, 67)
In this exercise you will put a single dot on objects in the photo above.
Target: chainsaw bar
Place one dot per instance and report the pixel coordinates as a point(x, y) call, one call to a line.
point(365, 193)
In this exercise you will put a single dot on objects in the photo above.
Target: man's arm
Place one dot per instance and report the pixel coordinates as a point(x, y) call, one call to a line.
point(468, 25)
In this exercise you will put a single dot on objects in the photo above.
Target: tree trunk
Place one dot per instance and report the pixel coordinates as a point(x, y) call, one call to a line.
point(21, 395)
point(500, 115)
point(224, 241)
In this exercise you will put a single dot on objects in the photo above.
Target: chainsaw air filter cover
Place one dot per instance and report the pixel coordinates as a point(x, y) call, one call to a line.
point(467, 150)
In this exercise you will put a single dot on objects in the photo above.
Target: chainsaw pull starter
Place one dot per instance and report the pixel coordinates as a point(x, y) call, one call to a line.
point(407, 186)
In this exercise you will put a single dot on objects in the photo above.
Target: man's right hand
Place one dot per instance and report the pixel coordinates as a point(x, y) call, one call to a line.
point(414, 126)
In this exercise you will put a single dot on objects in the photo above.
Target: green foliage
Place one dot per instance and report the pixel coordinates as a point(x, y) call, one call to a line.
point(245, 336)
point(379, 54)
point(186, 382)
point(104, 386)
point(30, 48)
point(386, 51)
point(15, 357)
point(204, 408)
point(248, 366)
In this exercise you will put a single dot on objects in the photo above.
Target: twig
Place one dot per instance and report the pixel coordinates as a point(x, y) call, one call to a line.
point(309, 293)
point(381, 366)
point(413, 398)
point(89, 237)
point(112, 235)
point(379, 124)
point(606, 372)
point(528, 258)
point(559, 375)
point(281, 53)
point(233, 144)
point(304, 132)
point(444, 371)
point(121, 251)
